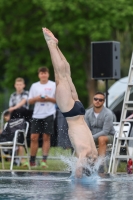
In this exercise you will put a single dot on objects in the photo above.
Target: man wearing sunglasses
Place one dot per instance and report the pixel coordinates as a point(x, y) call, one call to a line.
point(100, 122)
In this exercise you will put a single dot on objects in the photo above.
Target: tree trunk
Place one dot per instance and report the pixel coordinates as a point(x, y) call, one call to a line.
point(91, 84)
point(92, 88)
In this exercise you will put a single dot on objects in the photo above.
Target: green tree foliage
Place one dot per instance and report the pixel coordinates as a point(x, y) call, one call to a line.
point(74, 23)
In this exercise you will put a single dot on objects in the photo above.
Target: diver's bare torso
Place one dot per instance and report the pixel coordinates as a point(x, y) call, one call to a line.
point(81, 137)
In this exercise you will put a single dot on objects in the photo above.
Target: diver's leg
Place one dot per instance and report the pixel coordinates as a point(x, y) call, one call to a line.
point(60, 64)
point(73, 89)
point(68, 75)
point(64, 97)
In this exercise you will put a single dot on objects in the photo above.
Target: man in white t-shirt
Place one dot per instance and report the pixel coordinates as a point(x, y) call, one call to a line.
point(42, 95)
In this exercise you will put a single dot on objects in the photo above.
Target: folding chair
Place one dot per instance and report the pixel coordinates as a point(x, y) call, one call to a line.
point(126, 131)
point(2, 119)
point(12, 145)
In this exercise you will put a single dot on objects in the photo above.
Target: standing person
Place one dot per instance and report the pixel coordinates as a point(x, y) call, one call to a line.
point(70, 106)
point(18, 106)
point(42, 94)
point(100, 122)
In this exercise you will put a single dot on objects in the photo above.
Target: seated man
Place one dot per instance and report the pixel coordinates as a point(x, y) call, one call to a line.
point(8, 132)
point(18, 107)
point(100, 122)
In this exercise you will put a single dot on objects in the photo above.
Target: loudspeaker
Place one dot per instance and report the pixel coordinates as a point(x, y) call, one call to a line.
point(105, 60)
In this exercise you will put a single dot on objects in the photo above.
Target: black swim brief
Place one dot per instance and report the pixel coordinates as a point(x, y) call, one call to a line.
point(78, 109)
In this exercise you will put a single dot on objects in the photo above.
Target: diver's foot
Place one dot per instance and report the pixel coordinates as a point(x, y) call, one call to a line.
point(49, 36)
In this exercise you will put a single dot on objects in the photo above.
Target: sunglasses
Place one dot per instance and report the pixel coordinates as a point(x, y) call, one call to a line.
point(97, 99)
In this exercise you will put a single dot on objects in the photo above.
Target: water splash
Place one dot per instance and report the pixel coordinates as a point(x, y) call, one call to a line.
point(89, 168)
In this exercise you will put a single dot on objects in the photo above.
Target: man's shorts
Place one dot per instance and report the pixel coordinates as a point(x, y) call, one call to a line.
point(41, 126)
point(110, 139)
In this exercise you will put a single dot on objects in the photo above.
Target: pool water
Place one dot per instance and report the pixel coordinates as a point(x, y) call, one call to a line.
point(62, 186)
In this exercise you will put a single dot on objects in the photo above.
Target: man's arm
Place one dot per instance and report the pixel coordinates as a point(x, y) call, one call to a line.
point(87, 119)
point(40, 99)
point(33, 98)
point(10, 101)
point(49, 99)
point(107, 126)
point(20, 104)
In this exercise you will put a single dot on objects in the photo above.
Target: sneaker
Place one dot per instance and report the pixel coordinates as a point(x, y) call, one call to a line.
point(25, 164)
point(33, 164)
point(16, 162)
point(43, 164)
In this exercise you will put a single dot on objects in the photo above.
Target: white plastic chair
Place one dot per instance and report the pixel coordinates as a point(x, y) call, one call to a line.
point(13, 144)
point(126, 131)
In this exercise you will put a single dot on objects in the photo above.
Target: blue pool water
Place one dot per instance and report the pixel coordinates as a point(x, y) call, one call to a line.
point(61, 186)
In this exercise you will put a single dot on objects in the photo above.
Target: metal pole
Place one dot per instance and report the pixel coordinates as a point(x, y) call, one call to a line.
point(106, 93)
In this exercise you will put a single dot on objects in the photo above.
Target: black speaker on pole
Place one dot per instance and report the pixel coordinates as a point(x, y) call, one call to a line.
point(105, 60)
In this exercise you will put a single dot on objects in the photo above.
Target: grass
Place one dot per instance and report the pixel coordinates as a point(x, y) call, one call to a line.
point(122, 167)
point(53, 164)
